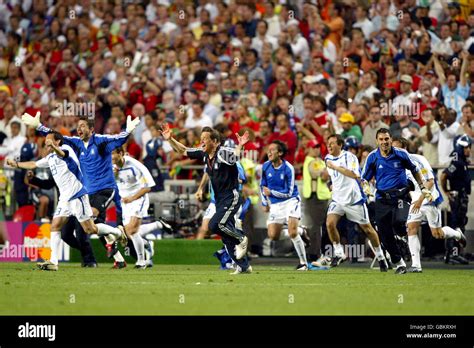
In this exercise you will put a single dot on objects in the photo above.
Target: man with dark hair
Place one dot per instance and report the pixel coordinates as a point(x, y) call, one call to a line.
point(388, 165)
point(348, 199)
point(221, 167)
point(94, 152)
point(281, 199)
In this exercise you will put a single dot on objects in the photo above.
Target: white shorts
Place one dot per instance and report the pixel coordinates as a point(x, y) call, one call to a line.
point(210, 211)
point(138, 208)
point(427, 212)
point(280, 212)
point(357, 213)
point(80, 208)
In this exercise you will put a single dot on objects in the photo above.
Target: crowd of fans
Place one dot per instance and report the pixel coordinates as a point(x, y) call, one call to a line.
point(295, 72)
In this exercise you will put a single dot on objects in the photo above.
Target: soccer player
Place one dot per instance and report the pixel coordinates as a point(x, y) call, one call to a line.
point(280, 197)
point(421, 209)
point(388, 164)
point(94, 152)
point(223, 173)
point(134, 181)
point(347, 199)
point(73, 198)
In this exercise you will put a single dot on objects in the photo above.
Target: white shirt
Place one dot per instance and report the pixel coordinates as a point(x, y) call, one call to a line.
point(445, 143)
point(366, 26)
point(66, 173)
point(132, 177)
point(192, 122)
point(427, 173)
point(11, 147)
point(443, 47)
point(369, 93)
point(257, 43)
point(300, 47)
point(345, 190)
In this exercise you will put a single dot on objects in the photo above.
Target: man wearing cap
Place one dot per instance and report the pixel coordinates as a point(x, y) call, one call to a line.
point(350, 129)
point(405, 99)
point(316, 196)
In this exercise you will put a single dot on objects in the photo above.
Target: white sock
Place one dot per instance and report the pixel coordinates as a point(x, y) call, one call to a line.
point(104, 229)
point(379, 253)
point(118, 257)
point(299, 246)
point(109, 238)
point(451, 233)
point(143, 230)
point(139, 248)
point(338, 250)
point(401, 263)
point(55, 242)
point(415, 248)
point(284, 234)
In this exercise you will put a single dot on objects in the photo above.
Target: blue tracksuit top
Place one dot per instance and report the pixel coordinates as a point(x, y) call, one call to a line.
point(280, 181)
point(389, 171)
point(96, 159)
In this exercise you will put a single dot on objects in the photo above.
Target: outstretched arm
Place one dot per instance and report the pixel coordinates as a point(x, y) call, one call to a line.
point(176, 145)
point(21, 165)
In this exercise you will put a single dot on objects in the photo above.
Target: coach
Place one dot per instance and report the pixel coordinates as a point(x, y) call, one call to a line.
point(388, 165)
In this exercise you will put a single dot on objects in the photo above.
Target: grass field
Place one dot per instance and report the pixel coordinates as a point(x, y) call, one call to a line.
point(206, 290)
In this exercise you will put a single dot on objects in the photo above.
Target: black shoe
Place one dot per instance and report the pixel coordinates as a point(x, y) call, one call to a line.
point(401, 270)
point(383, 265)
point(415, 270)
point(458, 260)
point(166, 226)
point(336, 261)
point(305, 237)
point(89, 265)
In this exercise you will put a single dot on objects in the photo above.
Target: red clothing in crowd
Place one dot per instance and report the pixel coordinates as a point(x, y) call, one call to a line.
point(291, 141)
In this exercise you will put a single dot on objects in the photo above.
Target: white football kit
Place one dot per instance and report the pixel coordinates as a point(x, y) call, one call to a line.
point(428, 210)
point(73, 198)
point(131, 178)
point(347, 195)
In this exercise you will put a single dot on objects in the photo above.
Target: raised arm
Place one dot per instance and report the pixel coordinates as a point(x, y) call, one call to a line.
point(176, 145)
point(439, 70)
point(22, 165)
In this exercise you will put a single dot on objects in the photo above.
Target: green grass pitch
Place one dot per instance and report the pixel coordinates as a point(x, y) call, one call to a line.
point(206, 290)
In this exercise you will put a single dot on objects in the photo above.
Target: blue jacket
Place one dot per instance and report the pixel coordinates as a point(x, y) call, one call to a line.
point(389, 171)
point(280, 181)
point(96, 159)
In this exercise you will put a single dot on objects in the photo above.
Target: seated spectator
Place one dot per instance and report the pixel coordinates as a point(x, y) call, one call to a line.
point(349, 128)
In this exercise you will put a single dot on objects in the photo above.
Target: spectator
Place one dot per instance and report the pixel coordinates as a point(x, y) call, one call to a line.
point(11, 147)
point(374, 123)
point(350, 129)
point(448, 131)
point(262, 37)
point(428, 136)
point(285, 135)
point(198, 118)
point(251, 69)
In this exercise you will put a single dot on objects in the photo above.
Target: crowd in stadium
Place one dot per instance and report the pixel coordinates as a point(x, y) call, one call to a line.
point(293, 71)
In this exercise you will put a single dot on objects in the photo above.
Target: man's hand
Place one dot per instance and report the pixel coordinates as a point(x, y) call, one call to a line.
point(366, 188)
point(242, 140)
point(266, 208)
point(427, 194)
point(11, 162)
point(266, 191)
point(30, 120)
point(166, 131)
point(127, 199)
point(199, 195)
point(48, 142)
point(132, 124)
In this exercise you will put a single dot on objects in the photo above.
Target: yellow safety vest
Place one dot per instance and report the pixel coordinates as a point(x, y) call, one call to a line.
point(322, 190)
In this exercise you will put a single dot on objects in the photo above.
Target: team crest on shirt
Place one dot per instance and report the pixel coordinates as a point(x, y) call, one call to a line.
point(282, 176)
point(92, 152)
point(396, 164)
point(269, 175)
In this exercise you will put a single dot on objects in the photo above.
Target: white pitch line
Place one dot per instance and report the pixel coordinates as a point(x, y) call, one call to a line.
point(272, 284)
